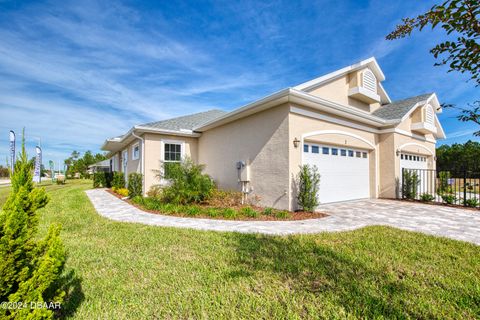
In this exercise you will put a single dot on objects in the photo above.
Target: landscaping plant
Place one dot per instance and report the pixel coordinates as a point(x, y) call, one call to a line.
point(187, 183)
point(449, 198)
point(472, 202)
point(30, 268)
point(427, 197)
point(135, 181)
point(410, 184)
point(308, 181)
point(118, 180)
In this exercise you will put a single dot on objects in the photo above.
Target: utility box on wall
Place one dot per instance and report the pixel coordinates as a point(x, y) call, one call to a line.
point(243, 171)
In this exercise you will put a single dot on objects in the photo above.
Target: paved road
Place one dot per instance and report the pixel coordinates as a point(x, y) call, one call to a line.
point(453, 223)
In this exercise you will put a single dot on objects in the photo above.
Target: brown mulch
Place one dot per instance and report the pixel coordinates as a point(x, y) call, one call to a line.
point(296, 215)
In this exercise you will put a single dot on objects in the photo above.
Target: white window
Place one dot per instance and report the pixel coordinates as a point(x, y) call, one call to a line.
point(429, 114)
point(369, 81)
point(136, 151)
point(173, 154)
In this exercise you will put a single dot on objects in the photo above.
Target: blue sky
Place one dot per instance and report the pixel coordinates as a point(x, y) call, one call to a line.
point(76, 72)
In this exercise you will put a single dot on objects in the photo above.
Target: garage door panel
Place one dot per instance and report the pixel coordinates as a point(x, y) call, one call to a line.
point(342, 178)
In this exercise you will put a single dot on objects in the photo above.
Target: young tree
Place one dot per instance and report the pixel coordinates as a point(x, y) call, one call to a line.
point(30, 269)
point(461, 20)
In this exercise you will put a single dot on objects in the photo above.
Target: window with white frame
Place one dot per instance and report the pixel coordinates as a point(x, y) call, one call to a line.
point(136, 151)
point(172, 156)
point(369, 81)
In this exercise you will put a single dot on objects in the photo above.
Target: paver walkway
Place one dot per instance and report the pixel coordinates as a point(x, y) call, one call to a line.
point(454, 223)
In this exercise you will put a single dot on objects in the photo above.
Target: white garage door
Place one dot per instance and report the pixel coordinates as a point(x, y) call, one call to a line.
point(419, 165)
point(344, 172)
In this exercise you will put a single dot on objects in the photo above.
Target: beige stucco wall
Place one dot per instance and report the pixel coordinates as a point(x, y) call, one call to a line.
point(261, 140)
point(301, 125)
point(154, 154)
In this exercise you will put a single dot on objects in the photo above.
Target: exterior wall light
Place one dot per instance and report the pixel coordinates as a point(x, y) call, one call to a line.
point(398, 152)
point(296, 142)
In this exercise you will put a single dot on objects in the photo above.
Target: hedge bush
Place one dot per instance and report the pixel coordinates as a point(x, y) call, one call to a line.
point(135, 182)
point(102, 179)
point(410, 184)
point(118, 180)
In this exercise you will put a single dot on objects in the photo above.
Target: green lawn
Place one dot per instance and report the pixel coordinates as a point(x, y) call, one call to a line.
point(122, 270)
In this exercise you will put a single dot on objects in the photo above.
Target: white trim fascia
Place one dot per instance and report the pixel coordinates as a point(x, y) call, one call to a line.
point(384, 92)
point(370, 62)
point(184, 133)
point(347, 123)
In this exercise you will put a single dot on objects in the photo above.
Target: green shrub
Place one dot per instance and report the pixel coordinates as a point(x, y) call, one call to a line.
point(192, 210)
point(427, 197)
point(102, 179)
point(118, 180)
point(472, 202)
point(308, 181)
point(155, 192)
point(30, 268)
point(213, 212)
point(410, 184)
point(135, 184)
point(449, 198)
point(282, 214)
point(249, 212)
point(268, 211)
point(229, 213)
point(187, 184)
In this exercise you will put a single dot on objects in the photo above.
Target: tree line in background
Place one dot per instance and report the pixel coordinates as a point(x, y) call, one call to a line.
point(459, 156)
point(79, 165)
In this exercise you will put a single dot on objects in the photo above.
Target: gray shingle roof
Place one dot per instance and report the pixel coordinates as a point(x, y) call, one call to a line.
point(397, 109)
point(186, 122)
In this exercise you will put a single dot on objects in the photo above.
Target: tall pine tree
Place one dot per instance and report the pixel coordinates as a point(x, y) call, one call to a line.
point(30, 269)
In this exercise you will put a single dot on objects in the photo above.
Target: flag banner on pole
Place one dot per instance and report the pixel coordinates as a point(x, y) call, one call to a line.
point(38, 165)
point(12, 150)
point(52, 171)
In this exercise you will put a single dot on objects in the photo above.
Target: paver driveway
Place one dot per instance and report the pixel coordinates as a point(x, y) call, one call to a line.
point(454, 223)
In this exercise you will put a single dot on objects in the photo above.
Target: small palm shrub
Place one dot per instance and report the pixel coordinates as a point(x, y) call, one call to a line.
point(118, 180)
point(135, 184)
point(410, 184)
point(308, 181)
point(187, 183)
point(472, 202)
point(30, 268)
point(427, 197)
point(449, 198)
point(155, 191)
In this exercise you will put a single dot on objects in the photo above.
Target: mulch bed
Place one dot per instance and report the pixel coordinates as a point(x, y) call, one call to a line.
point(296, 215)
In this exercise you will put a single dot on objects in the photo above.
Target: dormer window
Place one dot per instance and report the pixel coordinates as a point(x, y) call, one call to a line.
point(429, 114)
point(369, 81)
point(366, 87)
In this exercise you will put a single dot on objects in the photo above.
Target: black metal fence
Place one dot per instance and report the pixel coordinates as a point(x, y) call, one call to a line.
point(459, 187)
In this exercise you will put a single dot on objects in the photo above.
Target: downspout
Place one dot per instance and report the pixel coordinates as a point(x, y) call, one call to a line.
point(142, 161)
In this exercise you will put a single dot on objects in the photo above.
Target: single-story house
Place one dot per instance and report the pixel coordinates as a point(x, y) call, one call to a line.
point(343, 122)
